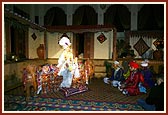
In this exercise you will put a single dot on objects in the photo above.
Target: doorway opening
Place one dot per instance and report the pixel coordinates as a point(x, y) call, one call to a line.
point(80, 43)
point(84, 45)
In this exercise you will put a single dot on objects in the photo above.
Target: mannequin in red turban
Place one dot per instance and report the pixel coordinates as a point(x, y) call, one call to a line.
point(130, 86)
point(134, 64)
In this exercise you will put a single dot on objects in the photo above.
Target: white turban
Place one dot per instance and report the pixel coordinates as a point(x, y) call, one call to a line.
point(116, 62)
point(144, 63)
point(64, 41)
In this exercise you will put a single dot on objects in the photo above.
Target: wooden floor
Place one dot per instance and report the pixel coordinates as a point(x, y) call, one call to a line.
point(98, 91)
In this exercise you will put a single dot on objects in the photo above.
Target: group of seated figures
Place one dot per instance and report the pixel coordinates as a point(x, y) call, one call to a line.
point(69, 75)
point(131, 78)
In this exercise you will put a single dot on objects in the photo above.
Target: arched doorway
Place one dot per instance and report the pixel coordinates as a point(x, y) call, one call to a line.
point(84, 41)
point(151, 17)
point(119, 16)
point(55, 16)
point(84, 45)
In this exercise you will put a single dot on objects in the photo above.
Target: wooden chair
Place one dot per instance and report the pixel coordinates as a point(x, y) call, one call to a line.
point(29, 80)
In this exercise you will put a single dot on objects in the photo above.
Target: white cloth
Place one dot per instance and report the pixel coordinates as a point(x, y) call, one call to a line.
point(61, 63)
point(125, 92)
point(68, 72)
point(115, 83)
point(106, 80)
point(67, 78)
point(76, 71)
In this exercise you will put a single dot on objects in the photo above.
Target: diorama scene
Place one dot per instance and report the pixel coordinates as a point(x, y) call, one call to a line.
point(83, 57)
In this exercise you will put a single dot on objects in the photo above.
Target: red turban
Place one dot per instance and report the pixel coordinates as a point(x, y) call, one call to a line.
point(134, 64)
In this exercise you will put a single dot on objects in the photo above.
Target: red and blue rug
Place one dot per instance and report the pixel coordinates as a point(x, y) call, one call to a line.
point(18, 103)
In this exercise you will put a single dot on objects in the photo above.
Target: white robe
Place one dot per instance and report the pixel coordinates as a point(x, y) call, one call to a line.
point(67, 72)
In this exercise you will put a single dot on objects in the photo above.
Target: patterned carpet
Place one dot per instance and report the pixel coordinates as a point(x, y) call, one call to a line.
point(18, 103)
point(99, 97)
point(98, 91)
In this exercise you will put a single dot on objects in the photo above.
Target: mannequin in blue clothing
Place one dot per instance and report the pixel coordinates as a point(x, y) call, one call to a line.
point(147, 73)
point(117, 75)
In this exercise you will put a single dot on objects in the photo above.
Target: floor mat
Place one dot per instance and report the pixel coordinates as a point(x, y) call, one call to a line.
point(35, 103)
point(97, 91)
point(74, 91)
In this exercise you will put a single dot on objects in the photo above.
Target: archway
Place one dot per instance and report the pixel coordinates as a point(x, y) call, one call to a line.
point(55, 16)
point(84, 15)
point(151, 17)
point(119, 16)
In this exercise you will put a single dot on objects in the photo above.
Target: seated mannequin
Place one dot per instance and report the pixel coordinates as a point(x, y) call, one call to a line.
point(117, 75)
point(131, 84)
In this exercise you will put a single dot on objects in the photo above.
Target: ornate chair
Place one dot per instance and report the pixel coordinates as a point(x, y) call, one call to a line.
point(48, 78)
point(29, 80)
point(89, 70)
